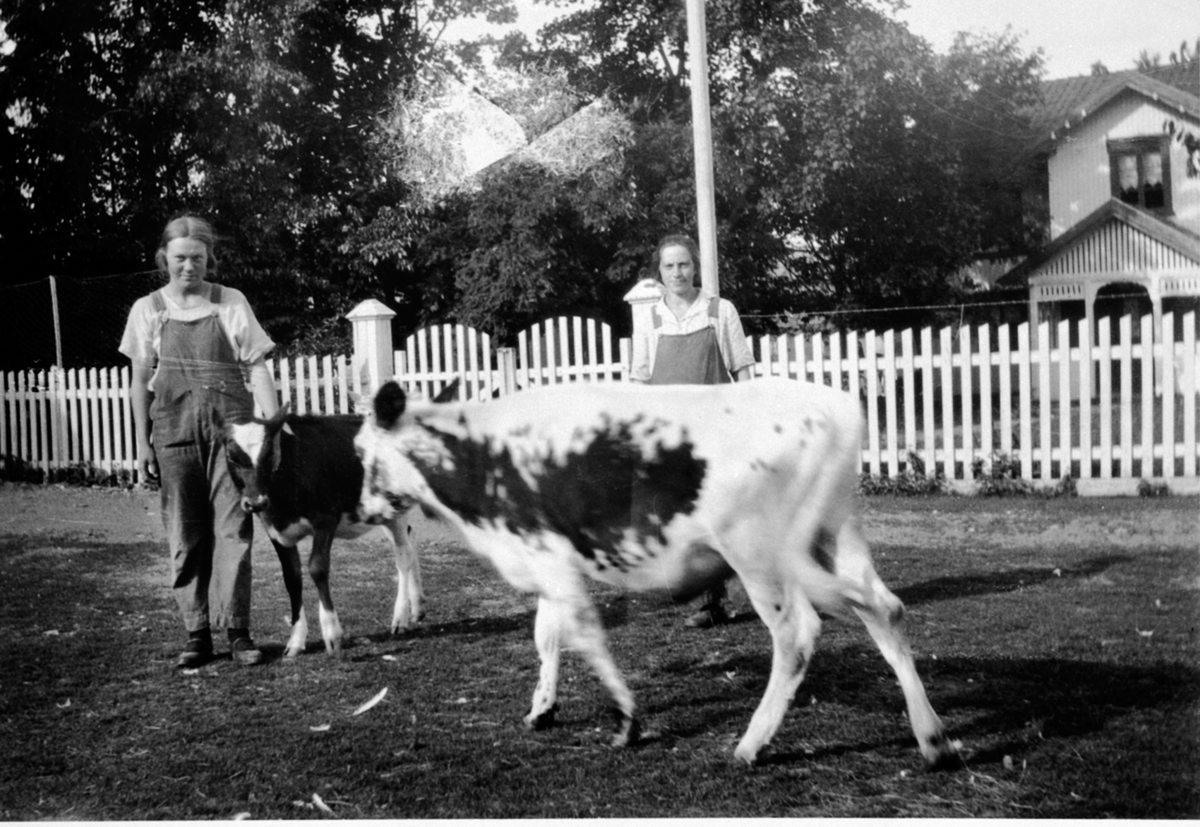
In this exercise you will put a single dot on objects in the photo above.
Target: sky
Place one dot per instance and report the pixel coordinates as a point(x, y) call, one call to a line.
point(1073, 34)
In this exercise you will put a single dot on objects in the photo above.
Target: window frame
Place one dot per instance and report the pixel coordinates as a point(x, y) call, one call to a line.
point(1139, 147)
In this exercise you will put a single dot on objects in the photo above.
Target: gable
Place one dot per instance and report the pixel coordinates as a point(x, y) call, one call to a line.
point(1068, 102)
point(1115, 239)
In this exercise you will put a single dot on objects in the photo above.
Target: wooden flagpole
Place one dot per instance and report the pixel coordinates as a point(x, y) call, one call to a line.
point(706, 208)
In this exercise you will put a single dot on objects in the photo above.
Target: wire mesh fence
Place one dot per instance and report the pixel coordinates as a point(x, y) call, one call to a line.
point(68, 322)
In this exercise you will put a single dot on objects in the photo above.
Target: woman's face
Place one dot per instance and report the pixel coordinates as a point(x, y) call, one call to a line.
point(677, 270)
point(187, 261)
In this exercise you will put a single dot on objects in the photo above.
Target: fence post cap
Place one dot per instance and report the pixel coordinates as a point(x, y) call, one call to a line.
point(646, 290)
point(370, 309)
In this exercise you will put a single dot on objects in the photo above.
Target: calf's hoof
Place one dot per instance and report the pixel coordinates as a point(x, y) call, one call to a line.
point(745, 755)
point(628, 732)
point(543, 721)
point(943, 754)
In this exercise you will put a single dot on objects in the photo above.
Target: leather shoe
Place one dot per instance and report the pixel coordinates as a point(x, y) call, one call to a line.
point(244, 652)
point(707, 617)
point(197, 653)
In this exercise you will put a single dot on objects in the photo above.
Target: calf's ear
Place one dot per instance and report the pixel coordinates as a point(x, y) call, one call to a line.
point(281, 414)
point(389, 405)
point(218, 421)
point(450, 392)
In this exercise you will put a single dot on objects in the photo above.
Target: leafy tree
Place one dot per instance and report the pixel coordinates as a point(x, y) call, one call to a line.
point(257, 113)
point(85, 163)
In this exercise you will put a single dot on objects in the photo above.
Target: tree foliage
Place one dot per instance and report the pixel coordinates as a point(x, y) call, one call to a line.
point(854, 168)
point(256, 113)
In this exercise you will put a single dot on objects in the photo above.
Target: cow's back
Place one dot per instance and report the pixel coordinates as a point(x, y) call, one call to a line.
point(636, 478)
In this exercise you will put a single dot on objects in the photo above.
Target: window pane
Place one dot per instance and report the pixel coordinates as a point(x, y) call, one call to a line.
point(1127, 178)
point(1152, 168)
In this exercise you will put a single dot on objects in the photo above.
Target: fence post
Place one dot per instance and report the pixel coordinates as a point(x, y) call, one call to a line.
point(508, 369)
point(373, 361)
point(644, 295)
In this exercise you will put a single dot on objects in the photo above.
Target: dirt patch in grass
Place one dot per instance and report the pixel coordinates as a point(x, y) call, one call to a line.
point(1058, 640)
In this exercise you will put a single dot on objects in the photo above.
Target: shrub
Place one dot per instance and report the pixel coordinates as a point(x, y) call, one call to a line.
point(1152, 489)
point(913, 482)
point(1003, 479)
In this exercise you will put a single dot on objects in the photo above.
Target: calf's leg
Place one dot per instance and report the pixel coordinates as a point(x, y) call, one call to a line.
point(293, 581)
point(794, 626)
point(883, 614)
point(318, 570)
point(570, 618)
point(409, 593)
point(547, 636)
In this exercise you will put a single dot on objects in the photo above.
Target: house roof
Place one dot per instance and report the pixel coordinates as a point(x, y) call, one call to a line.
point(1068, 101)
point(1163, 232)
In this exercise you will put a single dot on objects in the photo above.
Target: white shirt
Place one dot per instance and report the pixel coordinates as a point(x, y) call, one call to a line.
point(735, 350)
point(143, 330)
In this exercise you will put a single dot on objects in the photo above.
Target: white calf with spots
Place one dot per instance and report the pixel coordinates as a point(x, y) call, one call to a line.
point(666, 487)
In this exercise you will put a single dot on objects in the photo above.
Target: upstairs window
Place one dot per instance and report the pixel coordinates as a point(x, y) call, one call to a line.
point(1141, 172)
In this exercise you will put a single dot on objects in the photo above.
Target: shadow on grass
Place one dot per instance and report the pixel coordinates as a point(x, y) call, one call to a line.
point(1009, 705)
point(999, 582)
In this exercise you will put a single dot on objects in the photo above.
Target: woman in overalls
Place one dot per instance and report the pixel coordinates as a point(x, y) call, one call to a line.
point(194, 345)
point(695, 338)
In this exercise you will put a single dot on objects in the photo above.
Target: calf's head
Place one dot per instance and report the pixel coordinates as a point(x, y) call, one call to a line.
point(252, 452)
point(385, 443)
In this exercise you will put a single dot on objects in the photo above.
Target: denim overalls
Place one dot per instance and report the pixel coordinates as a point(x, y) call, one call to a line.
point(208, 533)
point(690, 358)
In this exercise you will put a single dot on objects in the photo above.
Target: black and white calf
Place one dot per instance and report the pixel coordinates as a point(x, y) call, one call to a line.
point(654, 487)
point(302, 476)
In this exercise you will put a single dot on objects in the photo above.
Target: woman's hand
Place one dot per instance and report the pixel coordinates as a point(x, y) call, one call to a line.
point(148, 462)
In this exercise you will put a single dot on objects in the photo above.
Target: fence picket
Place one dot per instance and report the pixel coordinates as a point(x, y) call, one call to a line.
point(908, 373)
point(1126, 361)
point(41, 409)
point(1146, 448)
point(1168, 394)
point(94, 404)
point(1189, 394)
point(984, 334)
point(1064, 398)
point(889, 403)
point(1025, 399)
point(106, 421)
point(965, 393)
point(577, 340)
point(1045, 400)
point(1105, 363)
point(130, 452)
point(564, 354)
point(1086, 371)
point(1004, 342)
point(947, 373)
point(928, 399)
point(818, 359)
point(7, 425)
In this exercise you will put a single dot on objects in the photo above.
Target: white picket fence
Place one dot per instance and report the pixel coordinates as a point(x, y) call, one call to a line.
point(951, 401)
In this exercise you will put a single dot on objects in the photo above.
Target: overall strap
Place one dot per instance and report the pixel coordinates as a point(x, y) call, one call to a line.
point(714, 308)
point(214, 294)
point(156, 301)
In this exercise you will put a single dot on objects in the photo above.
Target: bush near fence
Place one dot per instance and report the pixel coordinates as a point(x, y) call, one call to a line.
point(956, 400)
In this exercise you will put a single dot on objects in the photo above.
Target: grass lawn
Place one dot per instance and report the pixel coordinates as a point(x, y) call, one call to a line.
point(1057, 639)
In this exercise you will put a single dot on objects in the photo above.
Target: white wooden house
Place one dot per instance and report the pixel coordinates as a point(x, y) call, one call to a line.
point(1123, 198)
